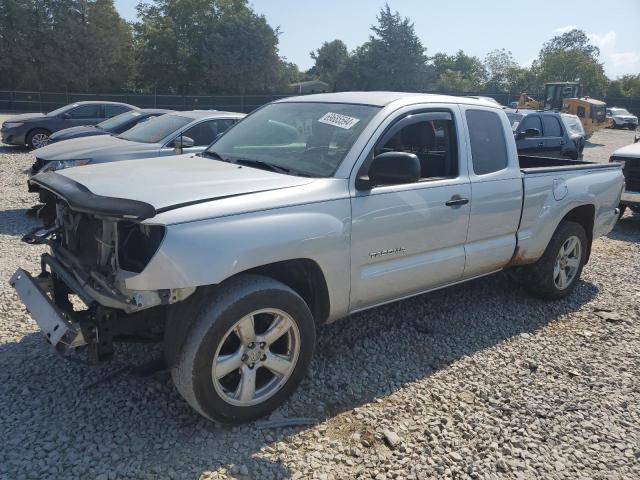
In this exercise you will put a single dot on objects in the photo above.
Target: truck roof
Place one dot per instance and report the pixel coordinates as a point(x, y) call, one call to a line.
point(382, 99)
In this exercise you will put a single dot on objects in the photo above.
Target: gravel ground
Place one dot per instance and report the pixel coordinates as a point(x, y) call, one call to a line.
point(477, 381)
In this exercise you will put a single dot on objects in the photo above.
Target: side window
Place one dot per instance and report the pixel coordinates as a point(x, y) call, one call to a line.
point(113, 110)
point(203, 134)
point(488, 145)
point(581, 112)
point(552, 127)
point(531, 121)
point(92, 110)
point(224, 124)
point(432, 141)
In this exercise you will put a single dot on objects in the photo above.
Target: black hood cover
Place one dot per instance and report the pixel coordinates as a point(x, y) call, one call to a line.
point(81, 199)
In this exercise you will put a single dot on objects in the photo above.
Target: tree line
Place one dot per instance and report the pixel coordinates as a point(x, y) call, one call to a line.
point(225, 47)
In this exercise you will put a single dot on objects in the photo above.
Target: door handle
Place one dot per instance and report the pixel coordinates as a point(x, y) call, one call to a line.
point(541, 144)
point(457, 201)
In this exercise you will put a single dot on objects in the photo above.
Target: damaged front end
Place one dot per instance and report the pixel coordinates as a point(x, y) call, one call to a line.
point(96, 243)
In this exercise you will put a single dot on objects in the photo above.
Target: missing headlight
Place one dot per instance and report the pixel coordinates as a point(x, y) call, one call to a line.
point(137, 243)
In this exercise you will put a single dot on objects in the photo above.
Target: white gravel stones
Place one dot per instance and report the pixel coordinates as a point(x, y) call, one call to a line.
point(478, 381)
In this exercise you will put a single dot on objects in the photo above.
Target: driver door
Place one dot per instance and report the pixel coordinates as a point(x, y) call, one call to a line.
point(407, 239)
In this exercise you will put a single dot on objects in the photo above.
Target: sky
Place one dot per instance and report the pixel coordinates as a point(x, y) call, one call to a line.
point(475, 26)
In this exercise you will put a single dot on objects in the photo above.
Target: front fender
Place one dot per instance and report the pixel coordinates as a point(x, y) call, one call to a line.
point(207, 252)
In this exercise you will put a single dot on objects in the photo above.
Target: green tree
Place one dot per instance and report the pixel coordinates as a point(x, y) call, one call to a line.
point(240, 52)
point(57, 44)
point(502, 71)
point(457, 73)
point(220, 46)
point(330, 61)
point(392, 59)
point(625, 86)
point(570, 57)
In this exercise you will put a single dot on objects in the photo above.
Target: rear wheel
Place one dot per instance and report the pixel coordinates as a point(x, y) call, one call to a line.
point(38, 138)
point(557, 272)
point(248, 347)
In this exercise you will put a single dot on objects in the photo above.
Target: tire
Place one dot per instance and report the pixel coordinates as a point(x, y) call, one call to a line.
point(544, 279)
point(38, 138)
point(219, 343)
point(631, 127)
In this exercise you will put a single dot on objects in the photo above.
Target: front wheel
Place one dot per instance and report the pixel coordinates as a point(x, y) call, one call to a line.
point(557, 272)
point(247, 349)
point(38, 138)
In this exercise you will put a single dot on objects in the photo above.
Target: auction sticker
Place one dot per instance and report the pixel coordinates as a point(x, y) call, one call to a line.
point(338, 120)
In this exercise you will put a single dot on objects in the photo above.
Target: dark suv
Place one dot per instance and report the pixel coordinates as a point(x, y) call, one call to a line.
point(34, 129)
point(543, 134)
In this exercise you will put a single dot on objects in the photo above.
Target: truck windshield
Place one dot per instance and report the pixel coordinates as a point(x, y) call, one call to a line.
point(303, 138)
point(156, 129)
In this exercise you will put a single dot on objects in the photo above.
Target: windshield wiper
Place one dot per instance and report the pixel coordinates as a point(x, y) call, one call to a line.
point(260, 164)
point(214, 155)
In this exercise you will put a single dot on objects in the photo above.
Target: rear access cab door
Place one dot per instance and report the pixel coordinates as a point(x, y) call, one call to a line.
point(496, 191)
point(410, 238)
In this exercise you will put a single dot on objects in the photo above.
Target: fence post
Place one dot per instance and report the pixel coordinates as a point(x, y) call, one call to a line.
point(13, 100)
point(40, 96)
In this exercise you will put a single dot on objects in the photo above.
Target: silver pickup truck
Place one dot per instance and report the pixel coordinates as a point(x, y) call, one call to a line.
point(307, 210)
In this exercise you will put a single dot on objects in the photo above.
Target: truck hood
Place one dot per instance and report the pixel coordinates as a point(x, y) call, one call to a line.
point(167, 183)
point(630, 151)
point(92, 148)
point(24, 117)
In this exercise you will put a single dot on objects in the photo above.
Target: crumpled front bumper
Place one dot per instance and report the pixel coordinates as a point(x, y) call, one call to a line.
point(58, 327)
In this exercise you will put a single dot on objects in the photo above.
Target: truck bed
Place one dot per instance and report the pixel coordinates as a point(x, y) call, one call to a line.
point(530, 164)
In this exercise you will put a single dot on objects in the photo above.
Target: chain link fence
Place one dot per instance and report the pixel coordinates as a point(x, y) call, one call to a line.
point(14, 101)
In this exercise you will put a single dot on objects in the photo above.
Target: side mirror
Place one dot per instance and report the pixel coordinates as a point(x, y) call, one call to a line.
point(391, 168)
point(531, 132)
point(182, 142)
point(65, 116)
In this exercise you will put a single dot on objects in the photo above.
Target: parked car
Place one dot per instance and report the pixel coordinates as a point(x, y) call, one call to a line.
point(629, 156)
point(622, 118)
point(112, 126)
point(190, 132)
point(34, 129)
point(310, 209)
point(542, 133)
point(576, 131)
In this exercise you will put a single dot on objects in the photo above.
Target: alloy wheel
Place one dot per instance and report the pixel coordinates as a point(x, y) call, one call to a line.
point(256, 357)
point(567, 263)
point(40, 140)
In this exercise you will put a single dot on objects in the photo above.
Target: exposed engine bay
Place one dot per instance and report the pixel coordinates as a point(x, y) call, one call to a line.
point(91, 256)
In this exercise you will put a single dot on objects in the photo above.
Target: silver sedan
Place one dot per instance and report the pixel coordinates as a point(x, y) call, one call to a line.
point(180, 132)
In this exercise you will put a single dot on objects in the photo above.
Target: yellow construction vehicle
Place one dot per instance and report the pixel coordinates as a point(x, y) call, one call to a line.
point(565, 97)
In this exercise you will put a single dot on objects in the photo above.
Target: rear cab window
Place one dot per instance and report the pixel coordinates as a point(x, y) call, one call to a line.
point(552, 126)
point(488, 144)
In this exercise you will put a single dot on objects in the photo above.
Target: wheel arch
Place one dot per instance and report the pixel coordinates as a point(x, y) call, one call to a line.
point(33, 129)
point(583, 215)
point(306, 278)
